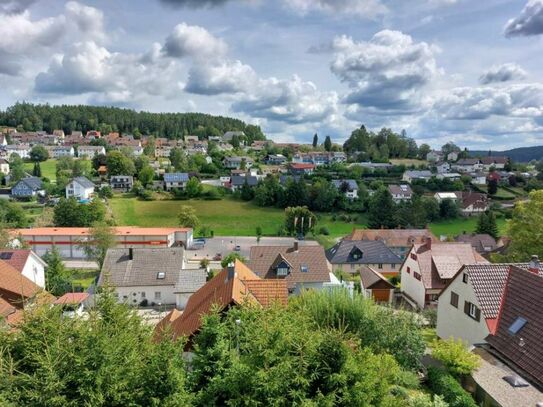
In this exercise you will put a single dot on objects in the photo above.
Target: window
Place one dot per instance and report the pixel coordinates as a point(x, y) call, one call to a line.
point(416, 275)
point(517, 325)
point(413, 256)
point(282, 271)
point(304, 268)
point(158, 295)
point(408, 270)
point(143, 294)
point(392, 266)
point(454, 299)
point(472, 311)
point(465, 278)
point(352, 266)
point(380, 265)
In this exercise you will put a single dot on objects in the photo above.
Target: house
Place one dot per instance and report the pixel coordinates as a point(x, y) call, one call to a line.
point(350, 255)
point(60, 151)
point(301, 169)
point(443, 167)
point(498, 163)
point(374, 285)
point(373, 166)
point(237, 181)
point(478, 178)
point(302, 267)
point(80, 188)
point(397, 240)
point(400, 193)
point(102, 171)
point(275, 159)
point(416, 175)
point(27, 188)
point(4, 166)
point(237, 162)
point(151, 276)
point(441, 196)
point(191, 139)
point(473, 203)
point(22, 150)
point(175, 180)
point(93, 135)
point(451, 176)
point(28, 263)
point(122, 182)
point(73, 304)
point(236, 284)
point(229, 135)
point(434, 156)
point(349, 187)
point(17, 293)
point(90, 151)
point(430, 266)
point(452, 156)
point(468, 307)
point(467, 165)
point(163, 151)
point(482, 242)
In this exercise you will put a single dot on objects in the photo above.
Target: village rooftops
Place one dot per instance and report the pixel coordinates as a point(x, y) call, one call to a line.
point(361, 252)
point(393, 237)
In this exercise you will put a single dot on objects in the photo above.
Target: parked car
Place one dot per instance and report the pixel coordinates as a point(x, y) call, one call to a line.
point(200, 240)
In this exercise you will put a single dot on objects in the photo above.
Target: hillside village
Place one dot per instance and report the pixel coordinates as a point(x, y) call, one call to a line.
point(67, 248)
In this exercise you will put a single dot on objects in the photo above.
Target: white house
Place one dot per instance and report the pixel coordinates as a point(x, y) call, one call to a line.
point(468, 307)
point(4, 166)
point(400, 193)
point(467, 165)
point(443, 167)
point(22, 150)
point(349, 187)
point(80, 188)
point(452, 156)
point(428, 268)
point(434, 156)
point(28, 263)
point(410, 176)
point(60, 151)
point(441, 196)
point(90, 151)
point(73, 304)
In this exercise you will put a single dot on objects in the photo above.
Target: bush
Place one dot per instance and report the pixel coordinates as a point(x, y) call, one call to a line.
point(455, 356)
point(430, 315)
point(212, 195)
point(442, 383)
point(324, 231)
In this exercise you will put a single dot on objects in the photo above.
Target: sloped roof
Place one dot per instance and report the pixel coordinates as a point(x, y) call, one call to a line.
point(239, 180)
point(84, 182)
point(522, 299)
point(370, 277)
point(479, 241)
point(176, 177)
point(351, 183)
point(6, 308)
point(262, 259)
point(393, 237)
point(230, 286)
point(402, 189)
point(373, 252)
point(190, 281)
point(71, 299)
point(419, 173)
point(33, 183)
point(17, 258)
point(12, 281)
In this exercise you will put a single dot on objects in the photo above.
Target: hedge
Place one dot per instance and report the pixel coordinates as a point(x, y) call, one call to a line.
point(442, 383)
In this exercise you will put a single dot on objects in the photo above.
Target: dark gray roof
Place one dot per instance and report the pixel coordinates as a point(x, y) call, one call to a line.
point(143, 269)
point(353, 186)
point(33, 183)
point(176, 177)
point(238, 180)
point(86, 183)
point(373, 252)
point(284, 178)
point(190, 281)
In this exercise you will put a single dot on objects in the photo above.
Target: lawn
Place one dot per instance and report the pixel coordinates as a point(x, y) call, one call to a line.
point(227, 217)
point(458, 226)
point(83, 278)
point(48, 168)
point(501, 193)
point(408, 162)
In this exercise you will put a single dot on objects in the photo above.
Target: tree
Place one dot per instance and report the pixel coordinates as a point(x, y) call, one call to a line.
point(68, 213)
point(328, 143)
point(486, 224)
point(247, 192)
point(492, 186)
point(187, 217)
point(448, 209)
point(299, 220)
point(39, 153)
point(315, 140)
point(178, 159)
point(231, 258)
point(424, 149)
point(16, 168)
point(36, 171)
point(381, 210)
point(57, 280)
point(193, 188)
point(146, 175)
point(258, 233)
point(101, 238)
point(455, 355)
point(118, 164)
point(524, 228)
point(12, 214)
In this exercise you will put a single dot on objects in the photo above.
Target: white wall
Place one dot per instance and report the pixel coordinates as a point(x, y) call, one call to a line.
point(167, 294)
point(34, 270)
point(409, 284)
point(453, 321)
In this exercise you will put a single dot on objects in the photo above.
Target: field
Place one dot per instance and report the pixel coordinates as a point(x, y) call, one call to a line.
point(227, 217)
point(458, 226)
point(501, 193)
point(48, 168)
point(408, 162)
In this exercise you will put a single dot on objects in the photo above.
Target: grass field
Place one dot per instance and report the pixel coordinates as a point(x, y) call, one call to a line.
point(502, 193)
point(48, 168)
point(83, 278)
point(457, 226)
point(408, 162)
point(227, 217)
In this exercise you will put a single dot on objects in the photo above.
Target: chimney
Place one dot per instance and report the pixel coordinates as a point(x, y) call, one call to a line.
point(295, 245)
point(131, 253)
point(428, 242)
point(231, 271)
point(533, 266)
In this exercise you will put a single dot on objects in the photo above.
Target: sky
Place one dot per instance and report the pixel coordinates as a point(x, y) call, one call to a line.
point(465, 71)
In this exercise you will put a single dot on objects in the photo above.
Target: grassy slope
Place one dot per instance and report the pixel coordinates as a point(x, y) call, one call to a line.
point(457, 226)
point(48, 168)
point(227, 217)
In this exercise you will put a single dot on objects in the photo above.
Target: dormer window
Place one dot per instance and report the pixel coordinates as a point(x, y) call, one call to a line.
point(356, 254)
point(282, 269)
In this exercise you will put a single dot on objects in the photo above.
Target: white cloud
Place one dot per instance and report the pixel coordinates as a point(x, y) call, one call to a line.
point(529, 22)
point(220, 78)
point(386, 73)
point(89, 20)
point(193, 41)
point(361, 8)
point(15, 6)
point(502, 73)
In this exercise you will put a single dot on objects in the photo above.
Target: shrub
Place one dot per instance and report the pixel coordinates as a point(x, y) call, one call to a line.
point(212, 195)
point(442, 383)
point(430, 315)
point(455, 356)
point(324, 231)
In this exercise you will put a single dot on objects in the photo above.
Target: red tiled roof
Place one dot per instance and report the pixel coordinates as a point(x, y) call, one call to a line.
point(523, 297)
point(71, 298)
point(302, 166)
point(18, 258)
point(6, 308)
point(393, 237)
point(14, 283)
point(119, 231)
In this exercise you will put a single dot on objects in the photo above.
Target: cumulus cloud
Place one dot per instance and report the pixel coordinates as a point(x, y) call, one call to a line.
point(194, 3)
point(502, 73)
point(529, 22)
point(225, 77)
point(89, 20)
point(360, 8)
point(385, 73)
point(15, 6)
point(193, 41)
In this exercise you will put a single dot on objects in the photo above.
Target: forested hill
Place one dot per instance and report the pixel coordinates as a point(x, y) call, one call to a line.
point(520, 155)
point(105, 119)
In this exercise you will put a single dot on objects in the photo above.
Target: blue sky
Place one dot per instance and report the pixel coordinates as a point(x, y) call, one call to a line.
point(443, 70)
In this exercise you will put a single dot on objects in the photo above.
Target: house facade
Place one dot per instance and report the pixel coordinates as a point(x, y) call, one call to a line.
point(80, 188)
point(28, 263)
point(374, 285)
point(90, 151)
point(122, 182)
point(175, 180)
point(400, 193)
point(27, 188)
point(347, 187)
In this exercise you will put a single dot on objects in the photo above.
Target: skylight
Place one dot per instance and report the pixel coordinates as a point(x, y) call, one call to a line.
point(160, 275)
point(304, 268)
point(6, 256)
point(517, 325)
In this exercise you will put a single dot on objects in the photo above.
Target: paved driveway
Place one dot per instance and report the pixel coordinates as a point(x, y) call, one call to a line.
point(226, 244)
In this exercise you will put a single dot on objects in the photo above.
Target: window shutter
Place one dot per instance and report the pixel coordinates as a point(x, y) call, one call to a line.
point(466, 307)
point(477, 314)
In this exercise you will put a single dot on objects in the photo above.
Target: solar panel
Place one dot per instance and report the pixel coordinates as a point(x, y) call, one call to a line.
point(5, 256)
point(517, 325)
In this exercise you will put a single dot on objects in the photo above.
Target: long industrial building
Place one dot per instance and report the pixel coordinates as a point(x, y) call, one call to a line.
point(70, 241)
